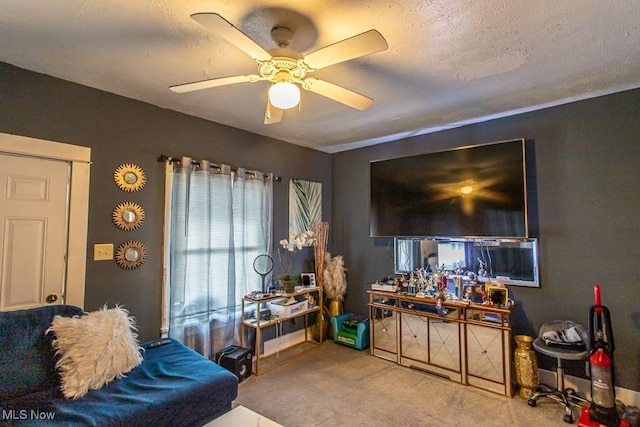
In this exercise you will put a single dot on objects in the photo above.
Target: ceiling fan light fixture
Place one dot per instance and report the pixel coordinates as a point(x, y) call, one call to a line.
point(287, 68)
point(284, 95)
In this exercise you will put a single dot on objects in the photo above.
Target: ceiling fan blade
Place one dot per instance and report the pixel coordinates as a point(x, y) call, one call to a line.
point(272, 114)
point(206, 84)
point(353, 47)
point(233, 35)
point(337, 93)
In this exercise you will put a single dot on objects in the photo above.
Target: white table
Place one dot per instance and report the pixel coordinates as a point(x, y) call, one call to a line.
point(242, 417)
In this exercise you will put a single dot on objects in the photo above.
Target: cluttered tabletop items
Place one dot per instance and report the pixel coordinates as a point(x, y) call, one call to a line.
point(447, 285)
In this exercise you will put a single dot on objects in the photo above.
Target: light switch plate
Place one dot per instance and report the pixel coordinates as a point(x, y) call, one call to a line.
point(103, 251)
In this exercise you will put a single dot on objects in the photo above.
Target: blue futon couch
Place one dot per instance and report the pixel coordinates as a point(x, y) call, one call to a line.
point(173, 386)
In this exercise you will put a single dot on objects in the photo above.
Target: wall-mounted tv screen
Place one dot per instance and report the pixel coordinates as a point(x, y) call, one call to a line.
point(475, 191)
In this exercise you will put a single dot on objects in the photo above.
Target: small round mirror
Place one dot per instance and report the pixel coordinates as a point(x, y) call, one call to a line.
point(128, 216)
point(131, 254)
point(130, 178)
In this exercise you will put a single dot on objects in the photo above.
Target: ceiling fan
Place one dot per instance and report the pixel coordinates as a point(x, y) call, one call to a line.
point(286, 68)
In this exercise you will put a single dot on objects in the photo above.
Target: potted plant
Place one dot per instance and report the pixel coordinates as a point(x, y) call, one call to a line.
point(286, 252)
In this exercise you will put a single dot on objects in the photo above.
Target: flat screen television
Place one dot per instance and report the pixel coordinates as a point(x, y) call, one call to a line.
point(473, 192)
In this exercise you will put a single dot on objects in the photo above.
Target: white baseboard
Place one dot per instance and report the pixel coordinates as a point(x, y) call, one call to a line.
point(285, 341)
point(583, 387)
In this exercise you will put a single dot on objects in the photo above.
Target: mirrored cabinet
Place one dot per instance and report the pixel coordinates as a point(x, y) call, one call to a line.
point(488, 348)
point(383, 320)
point(431, 341)
point(464, 342)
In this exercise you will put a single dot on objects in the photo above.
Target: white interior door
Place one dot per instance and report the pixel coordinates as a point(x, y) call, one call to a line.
point(33, 231)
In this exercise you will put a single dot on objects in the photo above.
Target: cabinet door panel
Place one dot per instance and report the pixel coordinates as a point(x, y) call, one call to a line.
point(444, 344)
point(485, 352)
point(414, 337)
point(384, 330)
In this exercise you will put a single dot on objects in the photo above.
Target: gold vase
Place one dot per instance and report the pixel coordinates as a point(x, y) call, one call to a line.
point(526, 362)
point(321, 327)
point(335, 308)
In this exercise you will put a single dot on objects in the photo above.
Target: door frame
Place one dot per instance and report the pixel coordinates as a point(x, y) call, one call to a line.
point(80, 160)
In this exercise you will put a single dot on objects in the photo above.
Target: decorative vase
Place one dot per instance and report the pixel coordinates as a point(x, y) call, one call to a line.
point(335, 308)
point(323, 320)
point(526, 362)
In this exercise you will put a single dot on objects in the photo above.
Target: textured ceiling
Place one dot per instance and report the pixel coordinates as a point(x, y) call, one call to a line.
point(449, 62)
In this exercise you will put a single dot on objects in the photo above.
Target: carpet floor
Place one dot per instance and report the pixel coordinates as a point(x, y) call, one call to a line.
point(334, 385)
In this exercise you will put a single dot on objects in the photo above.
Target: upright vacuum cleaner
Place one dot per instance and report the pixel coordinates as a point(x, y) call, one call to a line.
point(602, 411)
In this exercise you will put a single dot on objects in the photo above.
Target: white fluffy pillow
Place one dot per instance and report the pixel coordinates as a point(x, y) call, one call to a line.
point(94, 349)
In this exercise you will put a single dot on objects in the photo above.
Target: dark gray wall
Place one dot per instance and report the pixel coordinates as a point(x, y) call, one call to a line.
point(588, 181)
point(120, 130)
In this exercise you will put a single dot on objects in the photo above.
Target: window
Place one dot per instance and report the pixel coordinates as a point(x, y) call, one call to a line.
point(220, 221)
point(452, 255)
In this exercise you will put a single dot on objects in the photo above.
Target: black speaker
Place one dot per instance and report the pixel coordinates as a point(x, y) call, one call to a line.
point(237, 360)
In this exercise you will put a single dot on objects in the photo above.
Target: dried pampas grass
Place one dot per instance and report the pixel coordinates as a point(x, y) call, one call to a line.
point(335, 278)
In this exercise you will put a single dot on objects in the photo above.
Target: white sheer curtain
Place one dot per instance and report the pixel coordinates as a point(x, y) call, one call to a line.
point(219, 221)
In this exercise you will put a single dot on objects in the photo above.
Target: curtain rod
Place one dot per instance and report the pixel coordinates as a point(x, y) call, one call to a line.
point(164, 158)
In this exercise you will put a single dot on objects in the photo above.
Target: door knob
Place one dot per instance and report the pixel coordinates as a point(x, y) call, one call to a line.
point(51, 298)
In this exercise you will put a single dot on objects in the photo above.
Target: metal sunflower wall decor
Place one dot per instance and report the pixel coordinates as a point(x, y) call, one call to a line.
point(131, 254)
point(129, 177)
point(128, 216)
